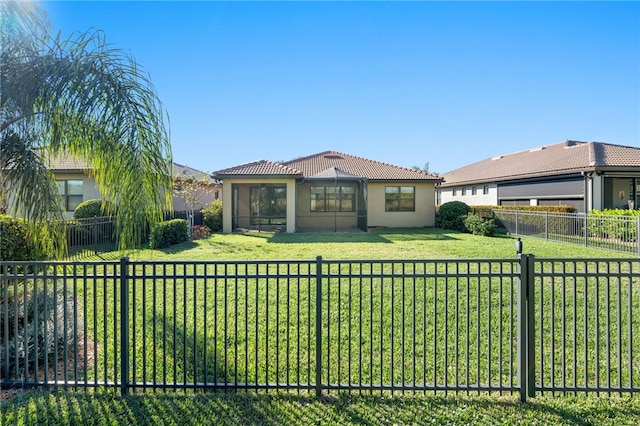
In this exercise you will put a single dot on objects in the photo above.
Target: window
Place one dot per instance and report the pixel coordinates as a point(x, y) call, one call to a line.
point(268, 205)
point(455, 192)
point(400, 198)
point(474, 190)
point(485, 189)
point(464, 191)
point(71, 193)
point(333, 199)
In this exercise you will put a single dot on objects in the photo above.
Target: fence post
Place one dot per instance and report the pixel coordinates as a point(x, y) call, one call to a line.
point(546, 225)
point(95, 235)
point(521, 327)
point(531, 327)
point(124, 325)
point(586, 229)
point(319, 326)
point(526, 326)
point(638, 234)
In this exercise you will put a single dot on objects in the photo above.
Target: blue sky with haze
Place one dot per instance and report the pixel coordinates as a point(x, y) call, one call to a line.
point(449, 83)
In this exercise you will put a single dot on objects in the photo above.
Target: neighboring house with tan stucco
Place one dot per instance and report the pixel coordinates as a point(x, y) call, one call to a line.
point(76, 185)
point(328, 191)
point(585, 175)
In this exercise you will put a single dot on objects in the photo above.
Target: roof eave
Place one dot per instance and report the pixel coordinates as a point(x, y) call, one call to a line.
point(517, 177)
point(379, 180)
point(247, 176)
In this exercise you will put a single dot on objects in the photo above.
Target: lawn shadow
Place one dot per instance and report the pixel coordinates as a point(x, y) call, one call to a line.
point(179, 248)
point(274, 408)
point(416, 234)
point(327, 237)
point(181, 351)
point(375, 235)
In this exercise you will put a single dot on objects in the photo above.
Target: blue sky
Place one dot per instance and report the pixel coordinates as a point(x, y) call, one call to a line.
point(406, 83)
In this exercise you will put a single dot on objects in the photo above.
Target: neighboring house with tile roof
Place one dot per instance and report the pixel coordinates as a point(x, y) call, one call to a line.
point(76, 184)
point(205, 197)
point(328, 191)
point(585, 175)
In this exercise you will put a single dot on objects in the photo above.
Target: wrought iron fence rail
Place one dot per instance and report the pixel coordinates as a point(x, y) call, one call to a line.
point(520, 325)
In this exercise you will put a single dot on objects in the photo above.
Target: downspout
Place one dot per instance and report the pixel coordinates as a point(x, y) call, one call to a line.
point(588, 189)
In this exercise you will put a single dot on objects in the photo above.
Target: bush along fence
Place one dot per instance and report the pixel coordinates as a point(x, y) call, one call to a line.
point(523, 326)
point(617, 233)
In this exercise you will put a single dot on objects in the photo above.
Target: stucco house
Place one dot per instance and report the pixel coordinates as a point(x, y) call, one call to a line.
point(585, 175)
point(328, 191)
point(76, 185)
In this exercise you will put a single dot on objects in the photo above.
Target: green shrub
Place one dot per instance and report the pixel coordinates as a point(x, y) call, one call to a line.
point(451, 215)
point(533, 219)
point(479, 226)
point(213, 216)
point(481, 210)
point(15, 243)
point(604, 224)
point(41, 323)
point(93, 208)
point(170, 232)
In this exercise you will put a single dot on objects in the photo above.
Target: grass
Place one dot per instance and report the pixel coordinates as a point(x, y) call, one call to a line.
point(276, 408)
point(414, 243)
point(105, 408)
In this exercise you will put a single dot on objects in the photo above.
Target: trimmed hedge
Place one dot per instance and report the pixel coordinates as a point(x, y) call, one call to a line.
point(550, 209)
point(170, 232)
point(92, 208)
point(451, 215)
point(602, 224)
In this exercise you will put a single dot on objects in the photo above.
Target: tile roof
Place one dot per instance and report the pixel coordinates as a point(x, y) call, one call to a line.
point(64, 162)
point(327, 163)
point(68, 163)
point(179, 169)
point(548, 160)
point(257, 168)
point(334, 173)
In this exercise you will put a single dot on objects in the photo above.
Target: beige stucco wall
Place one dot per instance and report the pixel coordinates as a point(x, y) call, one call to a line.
point(243, 200)
point(205, 200)
point(89, 189)
point(424, 214)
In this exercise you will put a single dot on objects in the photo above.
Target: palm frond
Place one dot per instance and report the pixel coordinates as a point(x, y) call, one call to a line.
point(80, 96)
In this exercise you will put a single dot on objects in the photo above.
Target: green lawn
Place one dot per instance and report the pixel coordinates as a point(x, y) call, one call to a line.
point(103, 408)
point(277, 407)
point(419, 243)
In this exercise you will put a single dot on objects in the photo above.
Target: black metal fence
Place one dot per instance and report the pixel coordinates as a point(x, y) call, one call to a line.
point(617, 233)
point(90, 237)
point(516, 326)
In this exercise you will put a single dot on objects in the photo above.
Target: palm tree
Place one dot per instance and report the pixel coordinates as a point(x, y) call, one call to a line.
point(78, 97)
